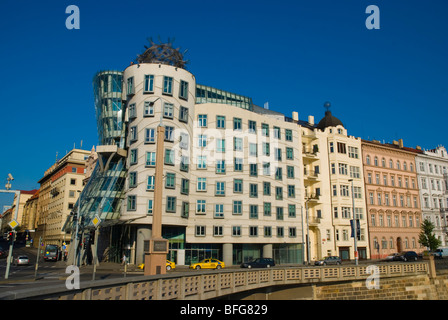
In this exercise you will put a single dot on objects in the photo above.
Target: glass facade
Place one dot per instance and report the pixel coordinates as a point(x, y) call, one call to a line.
point(104, 193)
point(206, 94)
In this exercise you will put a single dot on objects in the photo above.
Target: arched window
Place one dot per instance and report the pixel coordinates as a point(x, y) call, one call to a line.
point(405, 166)
point(411, 167)
point(391, 164)
point(383, 162)
point(398, 165)
point(376, 161)
point(368, 160)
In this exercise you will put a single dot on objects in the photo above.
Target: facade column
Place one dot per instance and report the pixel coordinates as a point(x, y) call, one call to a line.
point(227, 253)
point(267, 251)
point(143, 233)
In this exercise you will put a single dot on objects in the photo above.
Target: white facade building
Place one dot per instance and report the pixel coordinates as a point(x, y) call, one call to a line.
point(432, 172)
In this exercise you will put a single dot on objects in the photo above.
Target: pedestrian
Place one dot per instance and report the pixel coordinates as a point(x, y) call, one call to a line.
point(124, 259)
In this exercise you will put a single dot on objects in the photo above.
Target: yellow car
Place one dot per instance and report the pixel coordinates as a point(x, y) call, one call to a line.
point(208, 264)
point(169, 265)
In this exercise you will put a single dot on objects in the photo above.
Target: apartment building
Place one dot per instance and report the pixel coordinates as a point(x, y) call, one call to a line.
point(432, 175)
point(392, 194)
point(60, 187)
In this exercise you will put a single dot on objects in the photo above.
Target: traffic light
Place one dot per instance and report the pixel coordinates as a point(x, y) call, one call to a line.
point(11, 236)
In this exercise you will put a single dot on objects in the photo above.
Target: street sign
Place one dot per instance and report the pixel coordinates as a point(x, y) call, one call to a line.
point(13, 224)
point(96, 221)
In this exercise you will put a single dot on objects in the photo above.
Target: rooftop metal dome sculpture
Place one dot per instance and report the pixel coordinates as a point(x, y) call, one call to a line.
point(329, 120)
point(163, 53)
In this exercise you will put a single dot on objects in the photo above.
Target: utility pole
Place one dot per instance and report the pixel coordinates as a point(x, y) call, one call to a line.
point(355, 225)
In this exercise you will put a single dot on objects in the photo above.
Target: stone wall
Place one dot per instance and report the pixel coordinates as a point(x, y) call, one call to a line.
point(403, 288)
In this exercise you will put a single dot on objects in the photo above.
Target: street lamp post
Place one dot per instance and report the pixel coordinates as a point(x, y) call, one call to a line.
point(13, 226)
point(157, 247)
point(355, 225)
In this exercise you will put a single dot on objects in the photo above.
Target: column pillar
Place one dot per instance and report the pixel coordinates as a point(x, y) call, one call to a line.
point(143, 233)
point(227, 254)
point(267, 251)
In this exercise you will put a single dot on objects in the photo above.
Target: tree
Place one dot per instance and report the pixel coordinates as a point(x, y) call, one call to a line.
point(427, 237)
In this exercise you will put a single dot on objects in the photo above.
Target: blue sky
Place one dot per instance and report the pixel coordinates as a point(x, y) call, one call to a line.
point(383, 84)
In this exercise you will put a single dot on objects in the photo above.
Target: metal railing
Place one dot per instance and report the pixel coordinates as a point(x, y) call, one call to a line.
point(203, 285)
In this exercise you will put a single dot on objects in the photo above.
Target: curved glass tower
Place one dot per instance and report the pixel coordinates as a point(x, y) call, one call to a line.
point(104, 192)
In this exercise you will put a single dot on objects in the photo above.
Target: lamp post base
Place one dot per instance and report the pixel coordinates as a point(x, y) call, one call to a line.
point(155, 256)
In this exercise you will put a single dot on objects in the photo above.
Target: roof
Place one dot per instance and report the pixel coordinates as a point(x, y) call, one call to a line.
point(328, 121)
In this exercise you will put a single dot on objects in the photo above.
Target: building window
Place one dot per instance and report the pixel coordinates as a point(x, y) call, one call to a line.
point(169, 134)
point(132, 202)
point(150, 207)
point(280, 232)
point(202, 162)
point(236, 231)
point(183, 90)
point(220, 166)
point(167, 85)
point(238, 144)
point(219, 211)
point(185, 209)
point(183, 114)
point(253, 211)
point(202, 121)
point(170, 180)
point(202, 184)
point(341, 148)
point(132, 111)
point(133, 158)
point(220, 145)
point(150, 135)
point(130, 85)
point(266, 188)
point(290, 172)
point(133, 134)
point(220, 188)
point(184, 161)
point(217, 231)
point(220, 122)
point(288, 135)
point(253, 231)
point(150, 183)
point(353, 152)
point(253, 169)
point(200, 231)
point(149, 83)
point(237, 185)
point(252, 126)
point(238, 164)
point(168, 110)
point(237, 207)
point(148, 109)
point(265, 130)
point(200, 206)
point(253, 190)
point(267, 231)
point(185, 186)
point(169, 156)
point(291, 191)
point(132, 179)
point(291, 210)
point(267, 207)
point(292, 232)
point(278, 193)
point(289, 154)
point(277, 134)
point(279, 213)
point(237, 124)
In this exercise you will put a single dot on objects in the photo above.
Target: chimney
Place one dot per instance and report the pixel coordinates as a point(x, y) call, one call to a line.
point(400, 143)
point(311, 120)
point(295, 116)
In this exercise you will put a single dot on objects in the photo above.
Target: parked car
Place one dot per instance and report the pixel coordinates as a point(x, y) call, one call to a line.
point(408, 256)
point(328, 260)
point(169, 265)
point(22, 260)
point(440, 253)
point(259, 263)
point(393, 257)
point(208, 264)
